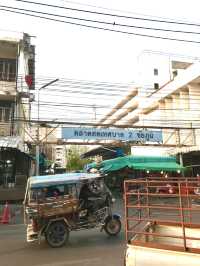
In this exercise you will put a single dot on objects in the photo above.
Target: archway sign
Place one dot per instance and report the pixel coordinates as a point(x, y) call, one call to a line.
point(89, 133)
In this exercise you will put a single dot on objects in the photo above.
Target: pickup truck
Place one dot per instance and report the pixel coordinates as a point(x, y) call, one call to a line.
point(161, 251)
point(161, 230)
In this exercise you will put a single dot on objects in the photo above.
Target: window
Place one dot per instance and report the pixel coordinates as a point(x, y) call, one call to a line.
point(156, 86)
point(40, 194)
point(5, 114)
point(7, 69)
point(155, 71)
point(175, 73)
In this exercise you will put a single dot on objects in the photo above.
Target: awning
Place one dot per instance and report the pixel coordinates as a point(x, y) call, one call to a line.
point(107, 152)
point(11, 142)
point(139, 163)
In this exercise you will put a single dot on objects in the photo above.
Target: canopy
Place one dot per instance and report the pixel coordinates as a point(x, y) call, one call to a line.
point(12, 142)
point(139, 162)
point(59, 179)
point(107, 152)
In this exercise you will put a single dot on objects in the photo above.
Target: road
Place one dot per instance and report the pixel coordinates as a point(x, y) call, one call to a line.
point(85, 248)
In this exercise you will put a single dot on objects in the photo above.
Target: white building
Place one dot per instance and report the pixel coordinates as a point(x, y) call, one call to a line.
point(60, 155)
point(174, 104)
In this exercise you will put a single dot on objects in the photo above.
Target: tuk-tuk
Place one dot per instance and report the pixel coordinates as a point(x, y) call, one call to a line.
point(54, 205)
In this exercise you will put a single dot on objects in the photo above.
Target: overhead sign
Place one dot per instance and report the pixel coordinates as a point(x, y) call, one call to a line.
point(111, 134)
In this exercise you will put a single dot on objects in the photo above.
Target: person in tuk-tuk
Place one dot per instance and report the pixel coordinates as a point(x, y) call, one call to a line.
point(51, 192)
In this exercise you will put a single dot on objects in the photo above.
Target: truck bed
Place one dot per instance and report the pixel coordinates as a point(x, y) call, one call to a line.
point(159, 250)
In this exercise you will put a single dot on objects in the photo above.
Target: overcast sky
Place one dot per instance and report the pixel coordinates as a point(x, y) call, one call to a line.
point(81, 53)
point(76, 52)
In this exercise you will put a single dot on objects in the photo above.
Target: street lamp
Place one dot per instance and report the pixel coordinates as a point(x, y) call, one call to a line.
point(38, 127)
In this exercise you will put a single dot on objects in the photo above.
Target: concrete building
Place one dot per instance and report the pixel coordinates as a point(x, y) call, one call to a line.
point(17, 57)
point(153, 71)
point(60, 155)
point(175, 104)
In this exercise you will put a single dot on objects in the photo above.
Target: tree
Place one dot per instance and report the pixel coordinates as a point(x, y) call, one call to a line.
point(74, 162)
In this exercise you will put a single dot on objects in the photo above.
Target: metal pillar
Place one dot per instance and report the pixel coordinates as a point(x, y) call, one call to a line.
point(37, 150)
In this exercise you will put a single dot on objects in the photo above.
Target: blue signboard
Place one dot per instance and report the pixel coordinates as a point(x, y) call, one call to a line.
point(111, 134)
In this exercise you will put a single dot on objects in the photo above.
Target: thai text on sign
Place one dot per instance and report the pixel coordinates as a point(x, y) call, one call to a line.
point(111, 134)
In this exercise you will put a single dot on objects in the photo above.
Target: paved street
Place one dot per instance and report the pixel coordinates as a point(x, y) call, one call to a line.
point(85, 248)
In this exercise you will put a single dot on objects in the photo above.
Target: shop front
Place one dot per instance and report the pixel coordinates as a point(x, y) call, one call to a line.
point(15, 168)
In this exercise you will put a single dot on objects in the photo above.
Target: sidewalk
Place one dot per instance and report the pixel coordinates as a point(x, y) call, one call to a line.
point(16, 213)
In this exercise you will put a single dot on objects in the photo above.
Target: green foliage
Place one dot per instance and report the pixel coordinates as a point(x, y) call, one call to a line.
point(74, 162)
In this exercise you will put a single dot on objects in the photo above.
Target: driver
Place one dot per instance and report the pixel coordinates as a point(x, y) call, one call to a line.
point(84, 195)
point(90, 190)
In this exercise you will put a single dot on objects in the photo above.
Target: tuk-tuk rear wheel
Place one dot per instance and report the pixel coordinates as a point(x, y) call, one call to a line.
point(57, 234)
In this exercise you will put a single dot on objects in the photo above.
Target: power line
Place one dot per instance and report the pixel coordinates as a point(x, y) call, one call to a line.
point(108, 14)
point(104, 106)
point(100, 28)
point(165, 112)
point(96, 85)
point(168, 54)
point(48, 108)
point(106, 93)
point(165, 117)
point(86, 88)
point(94, 94)
point(102, 22)
point(96, 82)
point(123, 11)
point(94, 124)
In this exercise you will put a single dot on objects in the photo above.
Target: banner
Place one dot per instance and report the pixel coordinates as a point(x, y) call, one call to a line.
point(111, 134)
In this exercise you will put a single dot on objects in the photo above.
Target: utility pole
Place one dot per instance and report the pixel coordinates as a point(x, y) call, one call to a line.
point(37, 150)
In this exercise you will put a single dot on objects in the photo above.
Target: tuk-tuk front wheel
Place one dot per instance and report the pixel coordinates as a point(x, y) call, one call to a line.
point(57, 234)
point(112, 226)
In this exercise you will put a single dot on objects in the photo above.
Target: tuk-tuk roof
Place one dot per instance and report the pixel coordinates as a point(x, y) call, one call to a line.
point(60, 179)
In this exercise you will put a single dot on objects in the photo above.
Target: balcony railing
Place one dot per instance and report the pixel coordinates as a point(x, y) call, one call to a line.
point(7, 76)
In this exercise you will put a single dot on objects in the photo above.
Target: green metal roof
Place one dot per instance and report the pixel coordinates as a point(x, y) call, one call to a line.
point(153, 163)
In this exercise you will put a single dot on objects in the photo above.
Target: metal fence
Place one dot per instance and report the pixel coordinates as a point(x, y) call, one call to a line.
point(163, 213)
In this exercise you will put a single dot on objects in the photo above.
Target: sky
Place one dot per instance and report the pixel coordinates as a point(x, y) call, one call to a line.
point(74, 52)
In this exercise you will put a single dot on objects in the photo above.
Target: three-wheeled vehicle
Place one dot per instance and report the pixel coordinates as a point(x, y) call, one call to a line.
point(54, 205)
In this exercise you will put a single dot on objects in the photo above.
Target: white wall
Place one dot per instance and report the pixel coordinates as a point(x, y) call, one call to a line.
point(149, 151)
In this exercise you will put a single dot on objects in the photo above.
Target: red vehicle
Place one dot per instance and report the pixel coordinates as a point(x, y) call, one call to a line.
point(169, 185)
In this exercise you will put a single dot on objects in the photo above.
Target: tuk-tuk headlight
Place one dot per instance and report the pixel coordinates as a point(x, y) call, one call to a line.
point(31, 211)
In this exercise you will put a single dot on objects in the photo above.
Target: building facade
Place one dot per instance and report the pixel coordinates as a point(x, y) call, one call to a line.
point(60, 155)
point(17, 57)
point(172, 106)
